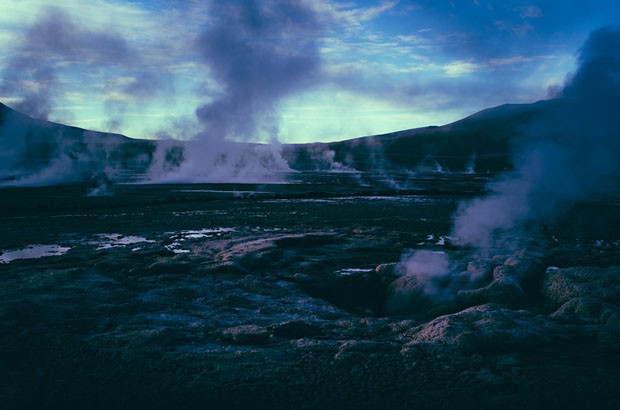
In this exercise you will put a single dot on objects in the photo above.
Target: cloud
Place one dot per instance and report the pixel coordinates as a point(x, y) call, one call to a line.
point(460, 68)
point(490, 30)
point(49, 53)
point(443, 62)
point(56, 35)
point(520, 29)
point(529, 12)
point(350, 15)
point(514, 60)
point(358, 16)
point(413, 43)
point(433, 86)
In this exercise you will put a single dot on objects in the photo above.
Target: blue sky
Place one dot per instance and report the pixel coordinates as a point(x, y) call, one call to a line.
point(312, 70)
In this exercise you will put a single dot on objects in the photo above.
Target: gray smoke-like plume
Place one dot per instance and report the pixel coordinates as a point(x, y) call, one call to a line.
point(55, 43)
point(54, 40)
point(37, 153)
point(566, 156)
point(258, 52)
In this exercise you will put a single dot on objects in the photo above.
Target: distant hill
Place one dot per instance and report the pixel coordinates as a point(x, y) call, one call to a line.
point(36, 152)
point(482, 141)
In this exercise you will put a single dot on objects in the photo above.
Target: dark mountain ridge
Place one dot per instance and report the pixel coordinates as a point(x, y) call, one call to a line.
point(483, 141)
point(59, 153)
point(37, 152)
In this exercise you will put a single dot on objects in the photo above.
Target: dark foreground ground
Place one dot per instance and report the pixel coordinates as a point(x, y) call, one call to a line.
point(291, 296)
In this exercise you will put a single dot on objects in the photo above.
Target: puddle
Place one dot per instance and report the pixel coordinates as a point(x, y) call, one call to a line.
point(300, 200)
point(116, 240)
point(442, 240)
point(180, 238)
point(204, 233)
point(33, 252)
point(216, 191)
point(353, 271)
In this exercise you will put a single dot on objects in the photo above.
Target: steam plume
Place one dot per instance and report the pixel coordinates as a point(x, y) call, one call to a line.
point(54, 45)
point(32, 75)
point(565, 157)
point(258, 52)
point(51, 47)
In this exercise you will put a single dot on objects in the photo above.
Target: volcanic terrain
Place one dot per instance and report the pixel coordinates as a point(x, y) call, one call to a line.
point(313, 292)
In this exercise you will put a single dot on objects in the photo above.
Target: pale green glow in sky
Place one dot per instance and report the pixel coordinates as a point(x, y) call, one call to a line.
point(312, 117)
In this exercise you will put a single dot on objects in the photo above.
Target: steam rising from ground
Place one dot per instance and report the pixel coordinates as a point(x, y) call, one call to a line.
point(563, 158)
point(258, 52)
point(33, 73)
point(226, 161)
point(38, 153)
point(569, 154)
point(429, 268)
point(56, 44)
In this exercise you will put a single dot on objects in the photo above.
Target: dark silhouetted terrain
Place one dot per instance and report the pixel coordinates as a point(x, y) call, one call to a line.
point(36, 152)
point(342, 288)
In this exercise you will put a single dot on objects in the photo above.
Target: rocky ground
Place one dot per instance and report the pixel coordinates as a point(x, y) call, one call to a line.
point(162, 297)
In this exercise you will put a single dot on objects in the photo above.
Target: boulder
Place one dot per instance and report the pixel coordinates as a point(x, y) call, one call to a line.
point(511, 282)
point(504, 290)
point(525, 270)
point(485, 328)
point(479, 269)
point(408, 295)
point(562, 285)
point(589, 310)
point(388, 272)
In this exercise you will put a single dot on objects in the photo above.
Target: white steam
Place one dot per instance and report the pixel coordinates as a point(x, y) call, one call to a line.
point(429, 269)
point(567, 154)
point(197, 161)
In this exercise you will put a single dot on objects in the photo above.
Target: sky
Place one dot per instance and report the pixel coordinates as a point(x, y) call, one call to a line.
point(284, 70)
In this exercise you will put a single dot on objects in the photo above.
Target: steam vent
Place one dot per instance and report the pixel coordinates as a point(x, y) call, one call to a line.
point(266, 240)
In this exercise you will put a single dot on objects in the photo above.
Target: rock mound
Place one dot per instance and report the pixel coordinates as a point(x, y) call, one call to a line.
point(562, 285)
point(485, 328)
